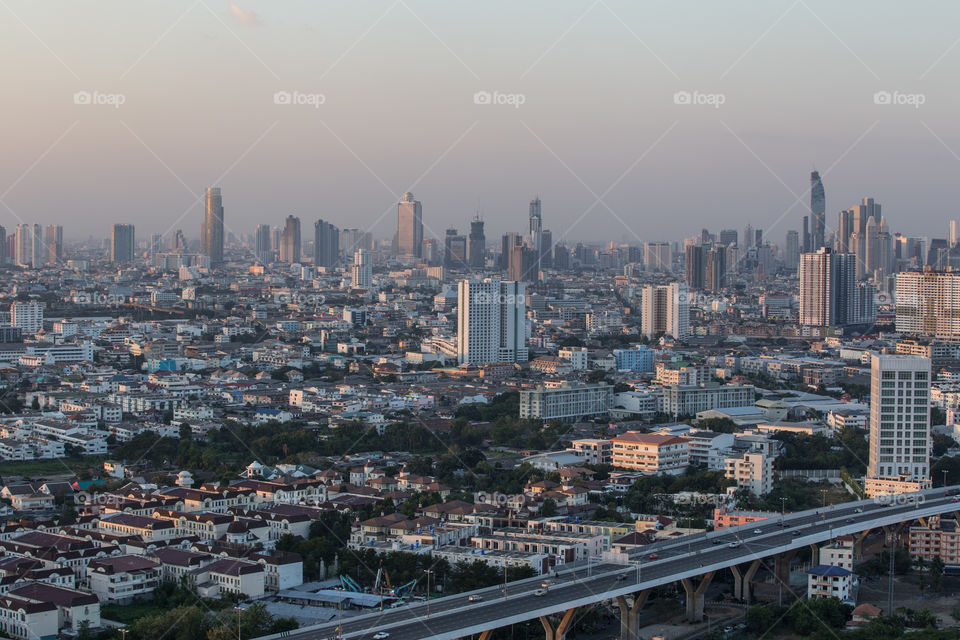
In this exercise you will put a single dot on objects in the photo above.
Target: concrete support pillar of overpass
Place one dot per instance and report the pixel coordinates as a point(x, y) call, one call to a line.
point(695, 596)
point(858, 544)
point(630, 614)
point(814, 554)
point(560, 631)
point(742, 579)
point(485, 635)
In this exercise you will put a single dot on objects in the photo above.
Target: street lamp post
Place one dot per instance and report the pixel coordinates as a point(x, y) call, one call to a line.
point(504, 580)
point(429, 572)
point(783, 510)
point(239, 610)
point(944, 478)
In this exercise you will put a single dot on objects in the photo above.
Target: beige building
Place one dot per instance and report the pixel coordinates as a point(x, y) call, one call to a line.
point(651, 452)
point(751, 471)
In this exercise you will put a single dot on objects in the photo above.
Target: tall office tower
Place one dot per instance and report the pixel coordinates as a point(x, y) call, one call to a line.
point(507, 242)
point(290, 242)
point(353, 239)
point(805, 239)
point(522, 265)
point(276, 240)
point(211, 234)
point(122, 243)
point(409, 229)
point(716, 272)
point(546, 249)
point(326, 244)
point(758, 237)
point(447, 251)
point(431, 253)
point(938, 254)
point(658, 256)
point(27, 316)
point(491, 321)
point(53, 239)
point(561, 257)
point(4, 246)
point(928, 304)
point(871, 255)
point(828, 293)
point(899, 425)
point(456, 252)
point(665, 309)
point(535, 224)
point(262, 249)
point(791, 251)
point(845, 227)
point(748, 237)
point(954, 233)
point(818, 210)
point(362, 270)
point(477, 246)
point(728, 236)
point(696, 267)
point(28, 246)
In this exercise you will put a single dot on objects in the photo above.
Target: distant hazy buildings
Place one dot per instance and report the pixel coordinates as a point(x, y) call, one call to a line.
point(665, 309)
point(122, 243)
point(928, 304)
point(326, 244)
point(28, 244)
point(658, 256)
point(211, 234)
point(491, 321)
point(409, 229)
point(290, 241)
point(818, 209)
point(476, 247)
point(899, 425)
point(53, 239)
point(262, 250)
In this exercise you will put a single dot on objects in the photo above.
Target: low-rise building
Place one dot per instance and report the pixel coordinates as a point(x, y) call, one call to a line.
point(651, 452)
point(122, 579)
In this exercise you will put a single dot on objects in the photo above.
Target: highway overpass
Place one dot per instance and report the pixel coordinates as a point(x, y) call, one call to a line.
point(692, 560)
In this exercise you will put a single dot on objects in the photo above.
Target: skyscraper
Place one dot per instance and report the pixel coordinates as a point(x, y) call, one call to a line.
point(546, 249)
point(728, 236)
point(290, 243)
point(818, 209)
point(262, 250)
point(716, 268)
point(409, 229)
point(491, 321)
point(326, 244)
point(522, 265)
point(535, 223)
point(53, 238)
point(122, 243)
point(928, 304)
point(791, 251)
point(476, 248)
point(4, 246)
point(362, 270)
point(27, 244)
point(696, 257)
point(211, 234)
point(658, 256)
point(829, 296)
point(899, 425)
point(507, 242)
point(954, 236)
point(665, 309)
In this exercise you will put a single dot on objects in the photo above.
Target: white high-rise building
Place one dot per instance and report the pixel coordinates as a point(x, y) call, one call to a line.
point(829, 293)
point(28, 316)
point(28, 246)
point(362, 270)
point(665, 309)
point(954, 233)
point(899, 425)
point(491, 321)
point(928, 304)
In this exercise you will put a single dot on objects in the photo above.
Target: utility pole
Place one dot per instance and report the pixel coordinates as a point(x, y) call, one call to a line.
point(239, 611)
point(893, 552)
point(428, 572)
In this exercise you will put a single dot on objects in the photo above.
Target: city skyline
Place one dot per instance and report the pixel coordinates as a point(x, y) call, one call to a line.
point(446, 142)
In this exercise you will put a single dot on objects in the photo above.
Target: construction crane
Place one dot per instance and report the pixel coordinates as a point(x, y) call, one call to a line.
point(350, 584)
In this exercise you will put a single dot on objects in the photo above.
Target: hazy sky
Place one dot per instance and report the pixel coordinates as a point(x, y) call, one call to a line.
point(599, 119)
